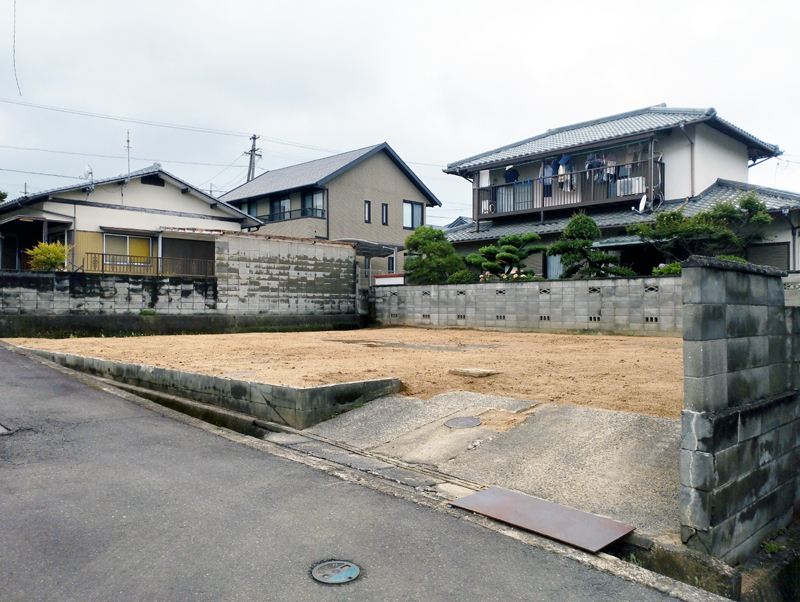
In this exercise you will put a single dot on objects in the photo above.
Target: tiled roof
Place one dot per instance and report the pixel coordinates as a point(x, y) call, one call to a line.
point(317, 173)
point(154, 169)
point(721, 190)
point(624, 125)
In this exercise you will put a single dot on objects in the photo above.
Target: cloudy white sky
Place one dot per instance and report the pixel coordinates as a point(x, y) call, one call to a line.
point(438, 80)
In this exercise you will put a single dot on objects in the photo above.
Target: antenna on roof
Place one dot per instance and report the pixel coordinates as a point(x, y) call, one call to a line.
point(87, 173)
point(642, 206)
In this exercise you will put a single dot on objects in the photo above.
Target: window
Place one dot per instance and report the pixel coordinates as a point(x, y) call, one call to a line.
point(367, 212)
point(391, 262)
point(412, 215)
point(313, 204)
point(384, 214)
point(279, 209)
point(250, 207)
point(122, 248)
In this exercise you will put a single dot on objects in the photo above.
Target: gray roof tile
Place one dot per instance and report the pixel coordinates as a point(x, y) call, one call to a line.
point(641, 121)
point(317, 173)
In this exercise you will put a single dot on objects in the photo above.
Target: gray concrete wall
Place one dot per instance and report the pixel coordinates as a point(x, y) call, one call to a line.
point(256, 276)
point(740, 446)
point(298, 407)
point(791, 289)
point(259, 274)
point(646, 306)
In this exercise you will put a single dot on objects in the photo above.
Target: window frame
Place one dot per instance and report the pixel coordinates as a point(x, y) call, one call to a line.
point(411, 204)
point(127, 238)
point(367, 212)
point(385, 214)
point(390, 266)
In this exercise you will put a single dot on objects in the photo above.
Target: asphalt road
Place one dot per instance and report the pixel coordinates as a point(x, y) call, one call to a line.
point(103, 499)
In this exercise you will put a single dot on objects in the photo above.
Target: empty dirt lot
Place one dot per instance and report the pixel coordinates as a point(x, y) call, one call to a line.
point(632, 374)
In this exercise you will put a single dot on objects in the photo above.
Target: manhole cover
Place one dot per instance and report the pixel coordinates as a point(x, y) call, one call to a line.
point(463, 422)
point(335, 571)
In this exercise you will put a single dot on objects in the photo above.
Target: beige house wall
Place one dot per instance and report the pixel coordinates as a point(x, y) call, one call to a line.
point(307, 227)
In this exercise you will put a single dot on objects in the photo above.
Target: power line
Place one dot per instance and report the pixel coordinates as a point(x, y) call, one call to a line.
point(14, 48)
point(162, 124)
point(36, 173)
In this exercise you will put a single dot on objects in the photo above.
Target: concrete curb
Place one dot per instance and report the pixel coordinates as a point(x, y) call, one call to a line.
point(298, 407)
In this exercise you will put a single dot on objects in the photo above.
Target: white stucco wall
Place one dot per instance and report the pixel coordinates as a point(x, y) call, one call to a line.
point(676, 155)
point(718, 156)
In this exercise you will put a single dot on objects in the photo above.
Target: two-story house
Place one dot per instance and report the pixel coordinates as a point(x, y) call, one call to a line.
point(367, 196)
point(620, 170)
point(144, 222)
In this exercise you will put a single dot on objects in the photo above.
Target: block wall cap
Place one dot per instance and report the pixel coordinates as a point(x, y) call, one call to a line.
point(699, 261)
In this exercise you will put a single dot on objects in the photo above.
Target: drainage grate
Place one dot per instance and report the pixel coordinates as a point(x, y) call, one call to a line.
point(335, 571)
point(463, 422)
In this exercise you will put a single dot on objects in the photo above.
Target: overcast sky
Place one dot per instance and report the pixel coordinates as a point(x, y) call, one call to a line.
point(437, 80)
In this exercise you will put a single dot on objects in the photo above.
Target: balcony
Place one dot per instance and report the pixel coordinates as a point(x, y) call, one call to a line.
point(282, 216)
point(574, 190)
point(108, 263)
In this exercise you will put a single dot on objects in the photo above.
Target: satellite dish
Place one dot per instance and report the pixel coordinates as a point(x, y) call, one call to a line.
point(87, 173)
point(642, 203)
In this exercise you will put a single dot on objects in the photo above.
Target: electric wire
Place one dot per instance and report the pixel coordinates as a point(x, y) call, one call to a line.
point(14, 48)
point(162, 124)
point(44, 150)
point(36, 173)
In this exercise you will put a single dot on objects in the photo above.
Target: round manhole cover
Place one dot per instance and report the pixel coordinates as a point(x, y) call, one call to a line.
point(335, 571)
point(463, 422)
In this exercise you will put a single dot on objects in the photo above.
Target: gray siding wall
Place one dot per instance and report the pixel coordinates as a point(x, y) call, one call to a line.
point(740, 447)
point(645, 306)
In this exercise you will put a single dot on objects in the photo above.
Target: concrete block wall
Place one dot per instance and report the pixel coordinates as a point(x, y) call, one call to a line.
point(76, 293)
point(259, 274)
point(740, 446)
point(645, 306)
point(298, 407)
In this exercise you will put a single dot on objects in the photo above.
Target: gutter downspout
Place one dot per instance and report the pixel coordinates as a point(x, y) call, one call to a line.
point(691, 155)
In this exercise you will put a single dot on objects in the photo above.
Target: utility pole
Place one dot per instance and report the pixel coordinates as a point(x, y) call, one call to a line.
point(253, 152)
point(128, 146)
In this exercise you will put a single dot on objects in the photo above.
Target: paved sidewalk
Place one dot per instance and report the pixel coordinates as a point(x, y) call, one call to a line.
point(103, 499)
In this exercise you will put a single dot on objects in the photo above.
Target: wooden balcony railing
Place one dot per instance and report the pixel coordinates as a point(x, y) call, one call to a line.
point(109, 263)
point(572, 190)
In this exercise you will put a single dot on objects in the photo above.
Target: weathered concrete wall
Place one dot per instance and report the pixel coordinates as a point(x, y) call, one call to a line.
point(281, 276)
point(791, 289)
point(740, 447)
point(298, 407)
point(650, 306)
point(257, 276)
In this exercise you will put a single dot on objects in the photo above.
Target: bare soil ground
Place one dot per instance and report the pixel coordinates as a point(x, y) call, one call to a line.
point(630, 374)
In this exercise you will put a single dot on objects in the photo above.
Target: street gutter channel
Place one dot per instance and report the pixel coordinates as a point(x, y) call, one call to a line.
point(398, 479)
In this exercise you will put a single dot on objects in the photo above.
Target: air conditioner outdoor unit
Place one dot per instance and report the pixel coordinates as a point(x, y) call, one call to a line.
point(488, 207)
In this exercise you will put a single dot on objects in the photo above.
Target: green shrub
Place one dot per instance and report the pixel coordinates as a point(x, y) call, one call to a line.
point(508, 259)
point(462, 277)
point(431, 258)
point(667, 269)
point(48, 257)
point(578, 256)
point(732, 258)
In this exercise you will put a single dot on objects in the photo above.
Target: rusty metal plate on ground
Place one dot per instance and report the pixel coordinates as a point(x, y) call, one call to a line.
point(463, 422)
point(335, 571)
point(580, 529)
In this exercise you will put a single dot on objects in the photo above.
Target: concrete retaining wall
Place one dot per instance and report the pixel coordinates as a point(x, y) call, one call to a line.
point(272, 281)
point(298, 407)
point(740, 447)
point(651, 306)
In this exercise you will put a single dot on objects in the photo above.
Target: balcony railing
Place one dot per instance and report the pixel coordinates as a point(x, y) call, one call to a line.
point(109, 263)
point(293, 214)
point(574, 189)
